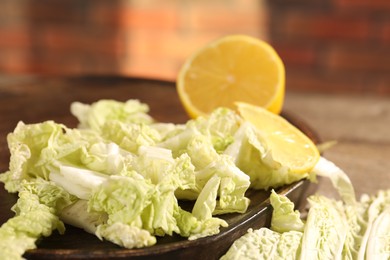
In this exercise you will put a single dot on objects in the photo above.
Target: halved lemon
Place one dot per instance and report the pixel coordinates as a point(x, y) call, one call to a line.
point(288, 144)
point(232, 68)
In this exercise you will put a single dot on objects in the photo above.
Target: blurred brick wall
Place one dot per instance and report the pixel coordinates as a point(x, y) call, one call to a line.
point(145, 37)
point(334, 45)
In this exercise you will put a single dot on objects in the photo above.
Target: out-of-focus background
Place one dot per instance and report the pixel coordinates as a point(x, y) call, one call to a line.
point(327, 45)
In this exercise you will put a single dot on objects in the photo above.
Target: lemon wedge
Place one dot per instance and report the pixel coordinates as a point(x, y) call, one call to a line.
point(290, 147)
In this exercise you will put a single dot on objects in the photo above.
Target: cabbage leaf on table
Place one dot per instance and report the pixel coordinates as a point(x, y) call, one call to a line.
point(334, 229)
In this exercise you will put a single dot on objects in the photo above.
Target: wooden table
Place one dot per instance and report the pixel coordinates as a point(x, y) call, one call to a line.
point(361, 127)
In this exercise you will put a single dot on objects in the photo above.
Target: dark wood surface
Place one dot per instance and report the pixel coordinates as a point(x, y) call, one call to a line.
point(360, 126)
point(34, 100)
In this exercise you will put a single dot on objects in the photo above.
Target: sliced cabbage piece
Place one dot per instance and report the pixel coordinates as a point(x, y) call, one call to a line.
point(94, 116)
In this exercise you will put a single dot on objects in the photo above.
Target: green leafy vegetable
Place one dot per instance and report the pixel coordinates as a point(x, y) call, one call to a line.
point(284, 217)
point(325, 230)
point(125, 235)
point(130, 136)
point(35, 216)
point(264, 243)
point(94, 116)
point(334, 229)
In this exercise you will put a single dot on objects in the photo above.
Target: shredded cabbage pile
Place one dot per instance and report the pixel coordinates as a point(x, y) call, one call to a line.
point(120, 175)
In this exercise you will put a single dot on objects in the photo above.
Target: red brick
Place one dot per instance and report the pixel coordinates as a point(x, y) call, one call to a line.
point(383, 86)
point(312, 4)
point(15, 37)
point(100, 36)
point(14, 60)
point(58, 12)
point(158, 19)
point(63, 64)
point(170, 45)
point(293, 55)
point(384, 33)
point(366, 5)
point(362, 60)
point(140, 67)
point(12, 12)
point(225, 20)
point(70, 39)
point(299, 25)
point(310, 80)
point(118, 17)
point(101, 15)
